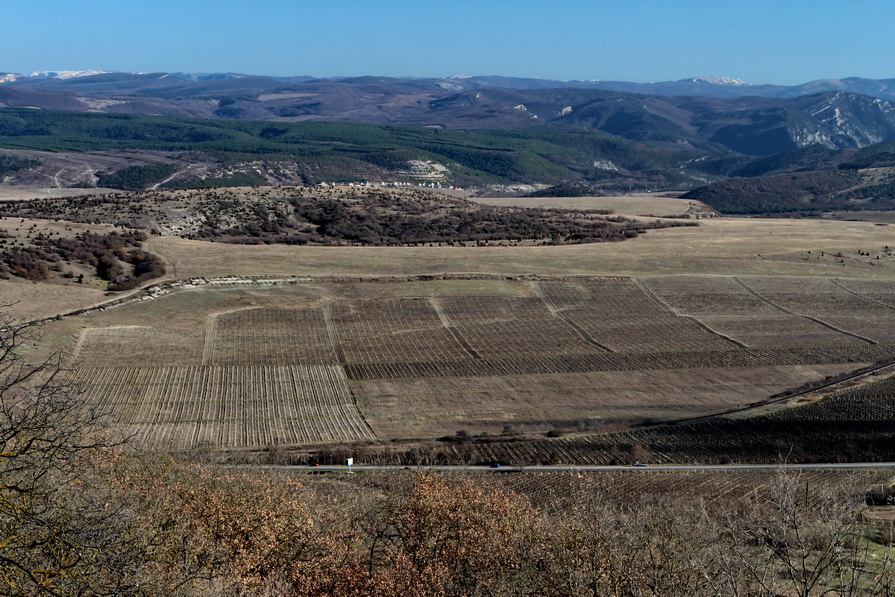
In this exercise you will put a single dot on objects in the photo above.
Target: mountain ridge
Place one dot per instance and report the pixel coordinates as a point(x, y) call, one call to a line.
point(828, 150)
point(749, 124)
point(713, 85)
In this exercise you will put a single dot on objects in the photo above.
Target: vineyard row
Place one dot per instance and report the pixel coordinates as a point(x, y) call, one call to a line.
point(851, 425)
point(184, 407)
point(623, 362)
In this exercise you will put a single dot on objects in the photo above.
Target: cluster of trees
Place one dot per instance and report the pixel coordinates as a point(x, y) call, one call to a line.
point(309, 215)
point(579, 188)
point(378, 218)
point(880, 155)
point(878, 196)
point(11, 163)
point(780, 193)
point(370, 223)
point(237, 179)
point(115, 257)
point(128, 210)
point(30, 263)
point(81, 514)
point(136, 178)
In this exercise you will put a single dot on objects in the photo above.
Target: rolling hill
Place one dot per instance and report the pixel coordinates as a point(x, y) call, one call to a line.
point(741, 148)
point(702, 113)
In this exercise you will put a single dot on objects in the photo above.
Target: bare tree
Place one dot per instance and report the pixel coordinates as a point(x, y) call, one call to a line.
point(52, 534)
point(799, 539)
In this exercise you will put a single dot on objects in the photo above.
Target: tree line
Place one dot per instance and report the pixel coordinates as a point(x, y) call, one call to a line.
point(115, 257)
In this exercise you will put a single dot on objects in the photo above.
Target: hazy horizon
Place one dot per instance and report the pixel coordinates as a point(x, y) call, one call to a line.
point(785, 43)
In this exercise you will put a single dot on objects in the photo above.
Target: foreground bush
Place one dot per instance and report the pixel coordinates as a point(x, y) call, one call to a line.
point(189, 529)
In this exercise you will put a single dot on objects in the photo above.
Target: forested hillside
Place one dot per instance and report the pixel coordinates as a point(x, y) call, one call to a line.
point(357, 151)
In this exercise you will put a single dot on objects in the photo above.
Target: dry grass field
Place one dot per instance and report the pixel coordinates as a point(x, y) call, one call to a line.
point(19, 193)
point(729, 246)
point(645, 205)
point(737, 246)
point(360, 344)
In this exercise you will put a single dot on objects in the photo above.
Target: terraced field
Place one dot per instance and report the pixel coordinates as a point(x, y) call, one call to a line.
point(393, 330)
point(358, 361)
point(624, 316)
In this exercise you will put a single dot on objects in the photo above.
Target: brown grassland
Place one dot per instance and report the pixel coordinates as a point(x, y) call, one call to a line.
point(717, 246)
point(646, 204)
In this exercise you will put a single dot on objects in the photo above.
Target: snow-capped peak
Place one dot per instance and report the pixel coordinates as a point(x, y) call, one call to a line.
point(66, 74)
point(720, 81)
point(9, 77)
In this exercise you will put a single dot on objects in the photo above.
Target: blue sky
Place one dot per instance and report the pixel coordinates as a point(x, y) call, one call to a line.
point(781, 41)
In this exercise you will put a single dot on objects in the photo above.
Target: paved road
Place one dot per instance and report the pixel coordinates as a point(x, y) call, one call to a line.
point(583, 468)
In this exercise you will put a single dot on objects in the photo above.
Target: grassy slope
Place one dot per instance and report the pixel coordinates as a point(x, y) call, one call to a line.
point(723, 246)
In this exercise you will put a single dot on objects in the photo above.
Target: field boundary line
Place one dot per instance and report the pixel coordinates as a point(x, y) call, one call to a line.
point(763, 299)
point(576, 327)
point(446, 322)
point(331, 330)
point(655, 297)
point(536, 286)
point(830, 326)
point(208, 349)
point(862, 296)
point(710, 330)
point(583, 333)
point(77, 350)
point(342, 379)
point(662, 303)
point(835, 329)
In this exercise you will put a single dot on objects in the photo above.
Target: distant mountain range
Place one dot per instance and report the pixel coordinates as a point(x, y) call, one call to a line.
point(702, 112)
point(108, 81)
point(825, 145)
